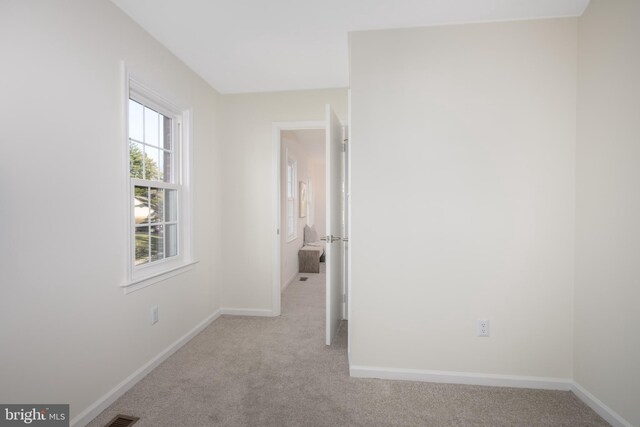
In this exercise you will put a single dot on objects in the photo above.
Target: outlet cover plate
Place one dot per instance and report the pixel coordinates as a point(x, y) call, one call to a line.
point(154, 314)
point(482, 327)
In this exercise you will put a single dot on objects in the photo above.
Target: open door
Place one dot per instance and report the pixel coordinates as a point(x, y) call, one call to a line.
point(334, 205)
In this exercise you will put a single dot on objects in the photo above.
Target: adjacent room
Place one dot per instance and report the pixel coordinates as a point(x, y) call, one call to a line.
point(320, 213)
point(302, 204)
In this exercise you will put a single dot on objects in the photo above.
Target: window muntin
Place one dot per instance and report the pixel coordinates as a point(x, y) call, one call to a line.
point(153, 173)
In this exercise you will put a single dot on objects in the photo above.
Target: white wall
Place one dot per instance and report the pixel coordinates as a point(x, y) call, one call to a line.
point(68, 332)
point(463, 145)
point(607, 345)
point(248, 193)
point(310, 165)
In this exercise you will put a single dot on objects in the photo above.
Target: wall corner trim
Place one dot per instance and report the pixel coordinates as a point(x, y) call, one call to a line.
point(84, 417)
point(600, 408)
point(472, 378)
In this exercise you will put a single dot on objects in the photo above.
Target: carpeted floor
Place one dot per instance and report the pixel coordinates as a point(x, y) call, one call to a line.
point(252, 371)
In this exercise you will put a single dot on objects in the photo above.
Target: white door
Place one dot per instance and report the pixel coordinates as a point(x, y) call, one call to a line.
point(345, 224)
point(334, 201)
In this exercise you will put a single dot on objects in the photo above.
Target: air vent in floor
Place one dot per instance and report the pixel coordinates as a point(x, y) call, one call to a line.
point(122, 421)
point(303, 279)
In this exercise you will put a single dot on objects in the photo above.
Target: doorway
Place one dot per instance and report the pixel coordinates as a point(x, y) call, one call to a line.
point(287, 219)
point(302, 204)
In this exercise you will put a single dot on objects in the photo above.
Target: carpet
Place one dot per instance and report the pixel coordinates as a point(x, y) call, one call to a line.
point(254, 371)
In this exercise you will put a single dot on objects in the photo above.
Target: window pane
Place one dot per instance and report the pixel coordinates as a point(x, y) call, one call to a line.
point(157, 204)
point(157, 242)
point(290, 208)
point(151, 158)
point(166, 162)
point(135, 120)
point(290, 217)
point(141, 205)
point(171, 205)
point(171, 240)
point(165, 132)
point(151, 127)
point(142, 245)
point(136, 165)
point(161, 166)
point(152, 164)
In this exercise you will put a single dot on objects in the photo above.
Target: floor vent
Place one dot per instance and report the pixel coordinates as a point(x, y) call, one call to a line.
point(122, 421)
point(303, 279)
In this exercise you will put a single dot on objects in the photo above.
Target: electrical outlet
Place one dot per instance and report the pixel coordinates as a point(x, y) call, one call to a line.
point(482, 327)
point(154, 314)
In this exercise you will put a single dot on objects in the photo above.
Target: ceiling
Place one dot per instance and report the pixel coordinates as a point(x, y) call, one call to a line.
point(241, 46)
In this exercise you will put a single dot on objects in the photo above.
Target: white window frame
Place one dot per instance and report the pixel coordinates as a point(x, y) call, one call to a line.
point(138, 277)
point(291, 200)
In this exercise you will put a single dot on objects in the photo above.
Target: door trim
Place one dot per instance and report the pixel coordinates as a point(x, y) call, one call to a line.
point(276, 128)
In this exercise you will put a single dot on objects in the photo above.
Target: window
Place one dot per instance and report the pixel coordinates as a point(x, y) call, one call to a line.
point(158, 200)
point(310, 205)
point(291, 198)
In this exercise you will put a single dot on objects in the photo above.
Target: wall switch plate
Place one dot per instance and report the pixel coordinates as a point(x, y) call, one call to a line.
point(482, 327)
point(154, 314)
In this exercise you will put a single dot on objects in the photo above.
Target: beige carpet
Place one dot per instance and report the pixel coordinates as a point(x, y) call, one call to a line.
point(249, 371)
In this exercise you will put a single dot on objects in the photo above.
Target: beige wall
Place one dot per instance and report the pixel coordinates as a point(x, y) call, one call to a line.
point(463, 155)
point(607, 345)
point(248, 195)
point(68, 332)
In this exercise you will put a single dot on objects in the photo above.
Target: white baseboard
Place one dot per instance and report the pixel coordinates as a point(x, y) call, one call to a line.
point(461, 378)
point(84, 417)
point(247, 312)
point(600, 408)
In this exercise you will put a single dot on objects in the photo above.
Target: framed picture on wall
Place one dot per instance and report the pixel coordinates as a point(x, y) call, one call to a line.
point(303, 199)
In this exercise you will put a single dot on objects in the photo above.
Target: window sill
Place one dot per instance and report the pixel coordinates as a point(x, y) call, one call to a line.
point(143, 282)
